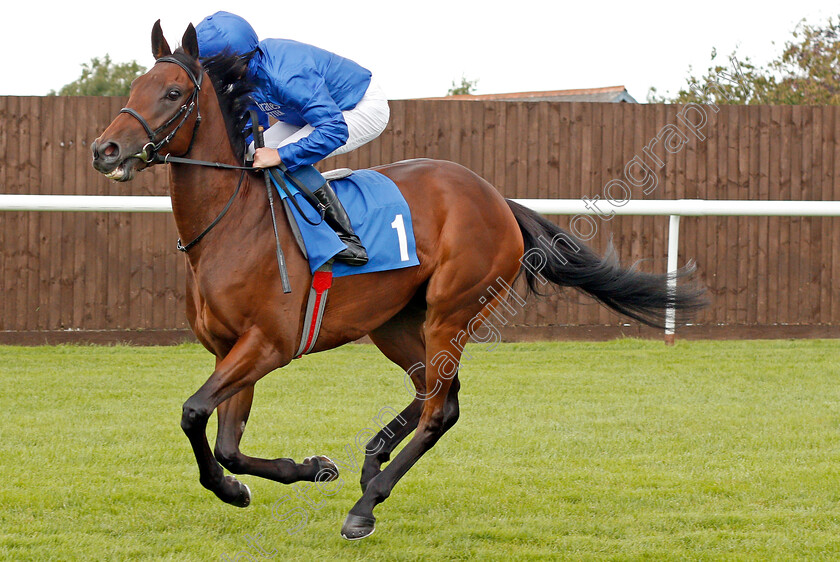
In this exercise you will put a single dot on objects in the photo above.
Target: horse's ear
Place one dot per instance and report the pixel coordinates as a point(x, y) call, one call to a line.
point(160, 48)
point(189, 42)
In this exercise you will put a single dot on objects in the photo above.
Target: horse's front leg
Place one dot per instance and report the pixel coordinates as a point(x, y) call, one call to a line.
point(233, 416)
point(249, 360)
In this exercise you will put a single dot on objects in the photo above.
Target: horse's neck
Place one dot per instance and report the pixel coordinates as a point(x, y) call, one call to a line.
point(200, 193)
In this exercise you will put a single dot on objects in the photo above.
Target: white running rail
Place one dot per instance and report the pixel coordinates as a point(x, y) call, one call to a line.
point(674, 208)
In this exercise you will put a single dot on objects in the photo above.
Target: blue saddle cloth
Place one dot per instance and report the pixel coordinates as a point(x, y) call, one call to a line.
point(380, 217)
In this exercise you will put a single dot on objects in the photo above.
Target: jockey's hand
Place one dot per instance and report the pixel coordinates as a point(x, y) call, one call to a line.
point(266, 158)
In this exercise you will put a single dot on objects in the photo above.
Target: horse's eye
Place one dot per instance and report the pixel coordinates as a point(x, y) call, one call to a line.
point(173, 94)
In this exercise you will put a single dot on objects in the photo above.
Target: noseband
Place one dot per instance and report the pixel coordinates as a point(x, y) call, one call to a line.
point(149, 153)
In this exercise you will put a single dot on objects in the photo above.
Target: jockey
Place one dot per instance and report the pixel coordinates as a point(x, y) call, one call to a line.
point(324, 104)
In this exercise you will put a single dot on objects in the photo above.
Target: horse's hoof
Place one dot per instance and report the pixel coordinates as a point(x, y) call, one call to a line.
point(244, 497)
point(357, 527)
point(327, 471)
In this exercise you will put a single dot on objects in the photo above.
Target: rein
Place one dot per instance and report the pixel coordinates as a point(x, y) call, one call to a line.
point(169, 159)
point(197, 239)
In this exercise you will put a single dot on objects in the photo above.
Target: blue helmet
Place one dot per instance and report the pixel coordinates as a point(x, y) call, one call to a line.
point(225, 32)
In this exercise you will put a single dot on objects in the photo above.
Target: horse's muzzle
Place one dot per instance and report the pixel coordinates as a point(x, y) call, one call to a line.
point(109, 159)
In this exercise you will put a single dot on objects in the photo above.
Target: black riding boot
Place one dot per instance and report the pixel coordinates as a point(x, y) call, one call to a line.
point(338, 220)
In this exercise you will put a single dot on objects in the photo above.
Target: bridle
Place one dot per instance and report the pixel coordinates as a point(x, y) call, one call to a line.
point(149, 152)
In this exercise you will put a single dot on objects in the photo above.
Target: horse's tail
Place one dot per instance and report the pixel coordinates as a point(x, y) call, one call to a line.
point(552, 255)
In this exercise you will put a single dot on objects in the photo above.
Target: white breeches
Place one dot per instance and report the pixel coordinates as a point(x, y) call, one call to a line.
point(365, 122)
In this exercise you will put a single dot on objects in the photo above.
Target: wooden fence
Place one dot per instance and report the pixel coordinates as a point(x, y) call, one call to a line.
point(71, 272)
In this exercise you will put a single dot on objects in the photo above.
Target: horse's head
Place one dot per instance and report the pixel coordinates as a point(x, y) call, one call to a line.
point(161, 116)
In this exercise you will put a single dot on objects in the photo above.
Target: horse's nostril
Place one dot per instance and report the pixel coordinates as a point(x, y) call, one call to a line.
point(108, 151)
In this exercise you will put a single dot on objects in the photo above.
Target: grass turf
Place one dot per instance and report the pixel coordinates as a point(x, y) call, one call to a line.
point(619, 450)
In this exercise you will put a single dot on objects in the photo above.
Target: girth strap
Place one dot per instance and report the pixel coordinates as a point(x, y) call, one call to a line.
point(321, 283)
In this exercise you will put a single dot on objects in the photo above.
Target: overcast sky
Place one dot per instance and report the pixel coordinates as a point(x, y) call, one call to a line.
point(418, 48)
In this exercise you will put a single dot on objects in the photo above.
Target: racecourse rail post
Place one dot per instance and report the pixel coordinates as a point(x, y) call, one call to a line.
point(673, 253)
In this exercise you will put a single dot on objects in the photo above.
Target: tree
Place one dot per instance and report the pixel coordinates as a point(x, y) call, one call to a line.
point(811, 66)
point(807, 72)
point(465, 88)
point(101, 77)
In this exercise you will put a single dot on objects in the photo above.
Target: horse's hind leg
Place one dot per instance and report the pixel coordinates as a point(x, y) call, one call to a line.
point(233, 415)
point(453, 310)
point(380, 447)
point(401, 341)
point(442, 358)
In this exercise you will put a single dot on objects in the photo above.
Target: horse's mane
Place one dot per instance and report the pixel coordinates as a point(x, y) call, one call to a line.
point(228, 75)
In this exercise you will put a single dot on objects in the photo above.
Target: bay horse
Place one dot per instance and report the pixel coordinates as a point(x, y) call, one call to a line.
point(468, 238)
